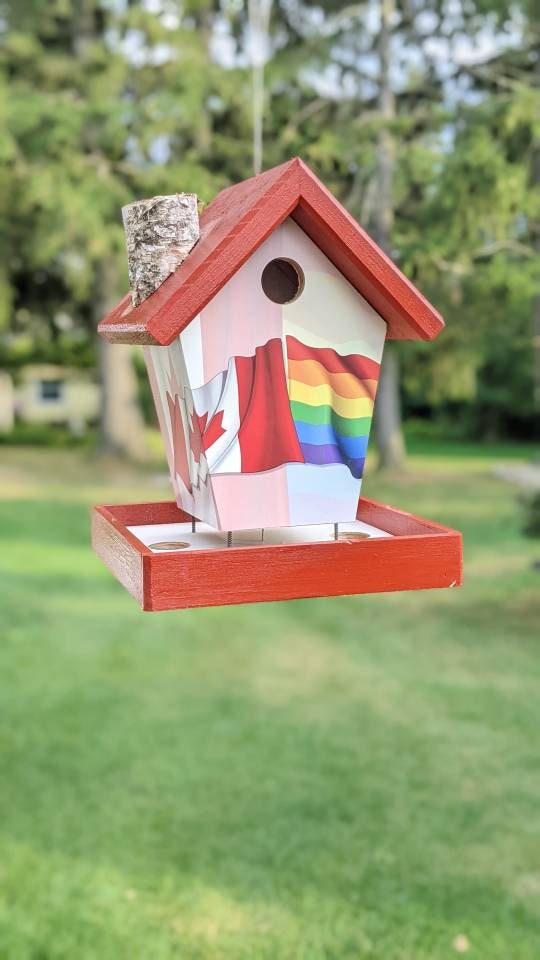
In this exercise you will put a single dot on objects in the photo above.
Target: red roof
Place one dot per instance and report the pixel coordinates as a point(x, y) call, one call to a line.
point(237, 222)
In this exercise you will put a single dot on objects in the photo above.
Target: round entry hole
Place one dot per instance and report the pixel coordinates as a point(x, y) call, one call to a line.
point(282, 280)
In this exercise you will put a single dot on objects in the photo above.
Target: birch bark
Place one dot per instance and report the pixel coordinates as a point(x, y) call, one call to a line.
point(160, 232)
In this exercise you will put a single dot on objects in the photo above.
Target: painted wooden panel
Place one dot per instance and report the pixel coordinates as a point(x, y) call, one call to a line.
point(418, 555)
point(265, 408)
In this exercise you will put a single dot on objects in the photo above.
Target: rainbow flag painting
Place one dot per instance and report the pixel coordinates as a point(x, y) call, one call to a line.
point(331, 398)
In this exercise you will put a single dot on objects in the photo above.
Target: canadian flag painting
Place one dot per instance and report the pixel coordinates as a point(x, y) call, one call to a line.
point(267, 406)
point(252, 409)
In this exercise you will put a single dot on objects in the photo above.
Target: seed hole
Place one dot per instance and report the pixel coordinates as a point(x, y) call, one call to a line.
point(170, 545)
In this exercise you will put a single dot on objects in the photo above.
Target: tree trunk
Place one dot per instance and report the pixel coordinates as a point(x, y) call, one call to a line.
point(259, 20)
point(384, 209)
point(535, 230)
point(121, 421)
point(258, 111)
point(388, 425)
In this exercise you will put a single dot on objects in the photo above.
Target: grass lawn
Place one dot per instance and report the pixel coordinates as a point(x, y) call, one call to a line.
point(319, 780)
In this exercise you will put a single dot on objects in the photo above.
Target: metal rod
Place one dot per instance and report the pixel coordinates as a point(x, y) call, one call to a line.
point(229, 538)
point(336, 531)
point(262, 534)
point(193, 522)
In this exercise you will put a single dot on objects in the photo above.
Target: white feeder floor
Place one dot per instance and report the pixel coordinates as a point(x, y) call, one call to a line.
point(206, 538)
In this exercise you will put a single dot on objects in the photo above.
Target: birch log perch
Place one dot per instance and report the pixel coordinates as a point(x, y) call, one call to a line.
point(160, 232)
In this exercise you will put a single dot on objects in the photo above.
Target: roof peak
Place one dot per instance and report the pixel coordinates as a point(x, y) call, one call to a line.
point(237, 222)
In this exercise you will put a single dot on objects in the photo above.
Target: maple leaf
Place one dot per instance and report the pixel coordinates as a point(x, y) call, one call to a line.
point(214, 430)
point(203, 434)
point(181, 465)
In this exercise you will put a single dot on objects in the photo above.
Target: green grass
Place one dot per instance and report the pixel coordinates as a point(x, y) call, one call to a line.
point(340, 779)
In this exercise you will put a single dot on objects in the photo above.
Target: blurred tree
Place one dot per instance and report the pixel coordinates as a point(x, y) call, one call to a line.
point(102, 107)
point(535, 213)
point(103, 102)
point(478, 220)
point(463, 201)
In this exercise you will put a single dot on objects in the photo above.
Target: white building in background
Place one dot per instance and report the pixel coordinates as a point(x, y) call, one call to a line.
point(7, 402)
point(49, 394)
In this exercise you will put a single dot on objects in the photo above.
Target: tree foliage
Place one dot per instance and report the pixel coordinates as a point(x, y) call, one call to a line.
point(102, 102)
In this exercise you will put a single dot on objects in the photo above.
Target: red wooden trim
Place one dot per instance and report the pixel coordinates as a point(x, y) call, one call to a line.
point(420, 555)
point(397, 522)
point(138, 514)
point(407, 312)
point(236, 223)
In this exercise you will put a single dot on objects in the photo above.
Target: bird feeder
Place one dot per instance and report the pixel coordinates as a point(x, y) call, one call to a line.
point(263, 328)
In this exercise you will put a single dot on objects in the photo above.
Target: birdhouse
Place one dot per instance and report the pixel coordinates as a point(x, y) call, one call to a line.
point(263, 327)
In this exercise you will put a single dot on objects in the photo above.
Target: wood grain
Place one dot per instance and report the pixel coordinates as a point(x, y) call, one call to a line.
point(236, 223)
point(420, 555)
point(120, 551)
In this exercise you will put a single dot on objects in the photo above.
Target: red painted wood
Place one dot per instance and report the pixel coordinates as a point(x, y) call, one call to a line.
point(394, 521)
point(133, 514)
point(236, 223)
point(408, 314)
point(420, 555)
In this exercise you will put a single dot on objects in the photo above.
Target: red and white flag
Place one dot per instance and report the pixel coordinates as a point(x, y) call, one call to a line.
point(243, 415)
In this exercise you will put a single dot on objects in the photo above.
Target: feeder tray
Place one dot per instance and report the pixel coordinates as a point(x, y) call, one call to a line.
point(152, 549)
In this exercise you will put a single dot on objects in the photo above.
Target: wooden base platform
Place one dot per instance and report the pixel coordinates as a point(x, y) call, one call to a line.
point(384, 550)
